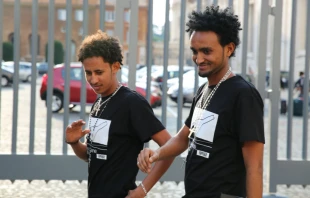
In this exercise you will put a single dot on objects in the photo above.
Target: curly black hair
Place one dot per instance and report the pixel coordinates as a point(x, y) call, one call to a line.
point(223, 22)
point(101, 45)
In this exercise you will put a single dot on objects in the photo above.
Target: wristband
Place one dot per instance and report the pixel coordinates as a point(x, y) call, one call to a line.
point(72, 143)
point(145, 191)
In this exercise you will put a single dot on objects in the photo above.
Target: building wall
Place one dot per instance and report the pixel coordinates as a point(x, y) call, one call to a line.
point(60, 25)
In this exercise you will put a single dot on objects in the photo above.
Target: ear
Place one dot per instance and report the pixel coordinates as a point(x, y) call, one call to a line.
point(230, 48)
point(115, 67)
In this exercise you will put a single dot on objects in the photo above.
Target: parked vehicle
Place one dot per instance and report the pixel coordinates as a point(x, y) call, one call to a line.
point(173, 72)
point(141, 73)
point(75, 87)
point(42, 68)
point(7, 76)
point(24, 70)
point(188, 86)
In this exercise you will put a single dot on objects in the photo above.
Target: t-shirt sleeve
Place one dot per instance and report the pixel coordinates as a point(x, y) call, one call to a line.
point(143, 119)
point(250, 117)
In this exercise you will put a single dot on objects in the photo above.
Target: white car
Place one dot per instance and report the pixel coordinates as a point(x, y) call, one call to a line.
point(188, 86)
point(24, 69)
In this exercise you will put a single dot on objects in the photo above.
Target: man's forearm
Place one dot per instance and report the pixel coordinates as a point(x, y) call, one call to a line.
point(156, 173)
point(80, 150)
point(174, 147)
point(254, 183)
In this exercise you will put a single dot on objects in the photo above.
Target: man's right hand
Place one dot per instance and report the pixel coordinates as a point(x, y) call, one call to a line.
point(74, 131)
point(146, 158)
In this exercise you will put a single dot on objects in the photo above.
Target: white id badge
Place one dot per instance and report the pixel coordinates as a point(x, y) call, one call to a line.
point(99, 130)
point(204, 123)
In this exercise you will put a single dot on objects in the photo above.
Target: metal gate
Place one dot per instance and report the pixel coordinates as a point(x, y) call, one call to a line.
point(64, 165)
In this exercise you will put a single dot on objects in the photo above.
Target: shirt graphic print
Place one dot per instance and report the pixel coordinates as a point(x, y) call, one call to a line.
point(204, 124)
point(98, 137)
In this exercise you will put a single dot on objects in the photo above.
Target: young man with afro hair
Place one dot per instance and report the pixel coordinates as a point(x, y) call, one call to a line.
point(119, 124)
point(224, 132)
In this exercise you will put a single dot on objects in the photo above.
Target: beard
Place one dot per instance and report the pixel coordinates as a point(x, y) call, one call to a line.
point(215, 69)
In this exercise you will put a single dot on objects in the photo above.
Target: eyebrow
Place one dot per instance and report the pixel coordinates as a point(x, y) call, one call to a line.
point(97, 70)
point(201, 49)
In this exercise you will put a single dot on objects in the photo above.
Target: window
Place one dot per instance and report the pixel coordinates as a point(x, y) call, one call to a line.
point(109, 16)
point(75, 73)
point(61, 13)
point(81, 32)
point(78, 15)
point(127, 16)
point(127, 36)
point(110, 32)
point(73, 48)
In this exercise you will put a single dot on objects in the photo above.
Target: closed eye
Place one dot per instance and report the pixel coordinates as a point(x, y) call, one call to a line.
point(194, 51)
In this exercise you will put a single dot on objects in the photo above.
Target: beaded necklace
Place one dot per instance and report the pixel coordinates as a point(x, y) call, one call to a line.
point(207, 101)
point(98, 106)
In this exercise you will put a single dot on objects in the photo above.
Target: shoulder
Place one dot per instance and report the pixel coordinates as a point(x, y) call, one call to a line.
point(132, 96)
point(244, 89)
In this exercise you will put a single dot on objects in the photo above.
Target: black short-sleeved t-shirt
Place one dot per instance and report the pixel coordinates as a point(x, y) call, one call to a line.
point(115, 140)
point(215, 164)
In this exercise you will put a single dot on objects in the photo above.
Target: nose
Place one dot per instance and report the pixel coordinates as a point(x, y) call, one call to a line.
point(199, 58)
point(92, 79)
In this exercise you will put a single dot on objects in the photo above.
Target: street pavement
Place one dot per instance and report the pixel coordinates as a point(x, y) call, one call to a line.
point(68, 189)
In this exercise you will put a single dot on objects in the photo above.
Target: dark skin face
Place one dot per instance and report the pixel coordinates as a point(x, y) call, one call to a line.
point(101, 75)
point(210, 56)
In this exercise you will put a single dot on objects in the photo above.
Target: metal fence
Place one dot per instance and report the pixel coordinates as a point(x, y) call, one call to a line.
point(66, 166)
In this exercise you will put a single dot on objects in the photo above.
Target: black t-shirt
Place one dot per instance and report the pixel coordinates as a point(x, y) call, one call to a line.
point(116, 139)
point(215, 164)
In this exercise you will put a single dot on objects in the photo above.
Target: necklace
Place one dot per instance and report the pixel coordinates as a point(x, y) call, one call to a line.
point(98, 106)
point(207, 101)
point(99, 103)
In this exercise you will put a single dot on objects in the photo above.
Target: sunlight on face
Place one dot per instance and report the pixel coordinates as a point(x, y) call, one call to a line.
point(100, 75)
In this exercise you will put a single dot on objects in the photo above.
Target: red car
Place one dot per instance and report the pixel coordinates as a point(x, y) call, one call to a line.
point(75, 87)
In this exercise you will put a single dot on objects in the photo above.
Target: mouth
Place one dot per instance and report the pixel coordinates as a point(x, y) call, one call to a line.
point(203, 67)
point(95, 87)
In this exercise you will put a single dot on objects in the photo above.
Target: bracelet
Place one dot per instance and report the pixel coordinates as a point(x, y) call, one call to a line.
point(145, 191)
point(72, 143)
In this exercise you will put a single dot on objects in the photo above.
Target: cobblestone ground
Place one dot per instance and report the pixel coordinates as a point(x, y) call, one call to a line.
point(75, 189)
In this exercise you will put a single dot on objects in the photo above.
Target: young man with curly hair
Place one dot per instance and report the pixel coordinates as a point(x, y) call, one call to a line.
point(224, 132)
point(120, 122)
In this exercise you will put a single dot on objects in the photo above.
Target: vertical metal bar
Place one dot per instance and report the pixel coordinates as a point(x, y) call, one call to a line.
point(231, 4)
point(306, 88)
point(119, 19)
point(196, 86)
point(291, 82)
point(34, 53)
point(165, 69)
point(67, 72)
point(275, 96)
point(133, 43)
point(149, 51)
point(16, 72)
point(245, 38)
point(51, 13)
point(181, 63)
point(119, 23)
point(83, 80)
point(215, 2)
point(1, 50)
point(102, 14)
point(262, 48)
